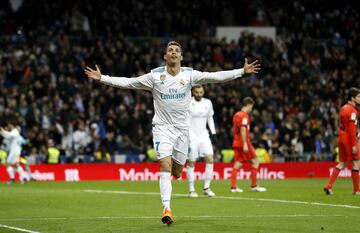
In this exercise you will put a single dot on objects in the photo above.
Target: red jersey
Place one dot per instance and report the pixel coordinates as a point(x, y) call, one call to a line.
point(240, 119)
point(348, 116)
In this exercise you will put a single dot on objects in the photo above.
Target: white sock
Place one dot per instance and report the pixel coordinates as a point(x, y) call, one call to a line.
point(21, 172)
point(11, 172)
point(208, 175)
point(28, 174)
point(165, 189)
point(191, 178)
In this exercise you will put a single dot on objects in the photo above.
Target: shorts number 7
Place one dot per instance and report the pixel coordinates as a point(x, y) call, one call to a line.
point(157, 145)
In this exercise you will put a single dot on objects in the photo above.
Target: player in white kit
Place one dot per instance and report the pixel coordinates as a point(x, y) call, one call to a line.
point(201, 111)
point(14, 143)
point(171, 86)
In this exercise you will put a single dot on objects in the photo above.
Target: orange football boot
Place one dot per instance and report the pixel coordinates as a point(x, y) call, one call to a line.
point(167, 217)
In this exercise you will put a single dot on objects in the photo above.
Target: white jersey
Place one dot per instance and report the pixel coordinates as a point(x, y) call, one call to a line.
point(14, 141)
point(201, 114)
point(172, 94)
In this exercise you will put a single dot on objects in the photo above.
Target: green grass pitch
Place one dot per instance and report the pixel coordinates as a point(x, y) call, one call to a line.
point(292, 205)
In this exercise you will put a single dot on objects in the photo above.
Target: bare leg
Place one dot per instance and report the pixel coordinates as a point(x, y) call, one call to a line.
point(177, 169)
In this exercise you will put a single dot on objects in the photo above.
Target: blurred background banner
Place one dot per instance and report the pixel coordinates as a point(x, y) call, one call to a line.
point(150, 171)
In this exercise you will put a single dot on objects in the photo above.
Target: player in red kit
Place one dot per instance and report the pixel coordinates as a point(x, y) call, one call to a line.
point(243, 149)
point(348, 145)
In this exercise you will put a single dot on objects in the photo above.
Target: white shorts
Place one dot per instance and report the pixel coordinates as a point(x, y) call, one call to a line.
point(171, 141)
point(13, 157)
point(199, 147)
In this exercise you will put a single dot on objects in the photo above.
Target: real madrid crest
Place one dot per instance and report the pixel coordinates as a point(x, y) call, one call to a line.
point(182, 82)
point(162, 78)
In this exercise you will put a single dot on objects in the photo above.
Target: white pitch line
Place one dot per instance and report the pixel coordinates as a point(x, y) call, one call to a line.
point(131, 193)
point(229, 198)
point(156, 217)
point(18, 229)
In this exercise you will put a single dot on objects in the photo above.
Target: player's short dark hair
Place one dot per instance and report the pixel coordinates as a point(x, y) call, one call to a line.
point(197, 86)
point(173, 43)
point(352, 92)
point(248, 101)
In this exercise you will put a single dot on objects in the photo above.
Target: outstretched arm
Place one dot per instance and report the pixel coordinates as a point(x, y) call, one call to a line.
point(144, 82)
point(223, 76)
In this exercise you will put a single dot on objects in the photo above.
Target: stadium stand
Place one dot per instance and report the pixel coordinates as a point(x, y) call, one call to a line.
point(44, 46)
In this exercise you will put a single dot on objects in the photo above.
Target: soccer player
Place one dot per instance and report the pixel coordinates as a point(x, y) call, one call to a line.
point(243, 149)
point(201, 112)
point(14, 145)
point(347, 141)
point(171, 90)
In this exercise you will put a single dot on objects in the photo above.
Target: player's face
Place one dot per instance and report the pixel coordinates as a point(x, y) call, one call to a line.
point(173, 55)
point(198, 93)
point(250, 108)
point(357, 99)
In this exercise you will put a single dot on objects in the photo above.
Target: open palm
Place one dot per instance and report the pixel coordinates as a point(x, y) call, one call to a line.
point(252, 68)
point(93, 74)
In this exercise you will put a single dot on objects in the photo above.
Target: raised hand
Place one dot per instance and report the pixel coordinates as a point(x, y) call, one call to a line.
point(252, 68)
point(93, 74)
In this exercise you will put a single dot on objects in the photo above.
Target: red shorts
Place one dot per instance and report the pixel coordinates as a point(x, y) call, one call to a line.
point(345, 152)
point(241, 156)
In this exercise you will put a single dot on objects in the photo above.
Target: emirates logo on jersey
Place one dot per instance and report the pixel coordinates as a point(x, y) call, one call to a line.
point(162, 78)
point(182, 82)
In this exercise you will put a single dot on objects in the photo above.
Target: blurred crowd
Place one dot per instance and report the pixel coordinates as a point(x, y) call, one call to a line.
point(45, 45)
